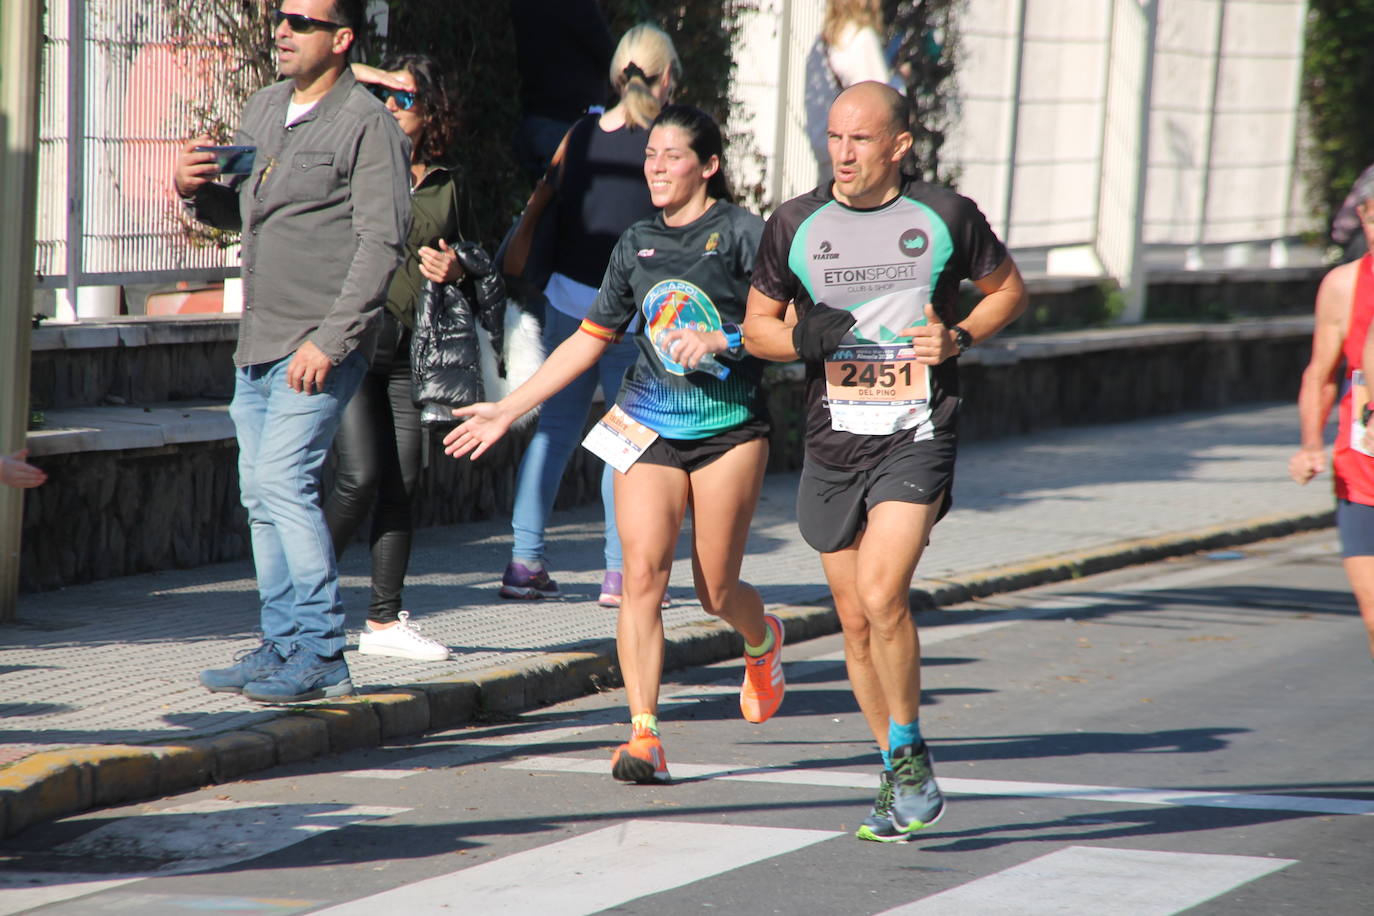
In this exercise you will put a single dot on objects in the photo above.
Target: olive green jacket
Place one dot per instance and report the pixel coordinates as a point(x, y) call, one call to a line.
point(434, 215)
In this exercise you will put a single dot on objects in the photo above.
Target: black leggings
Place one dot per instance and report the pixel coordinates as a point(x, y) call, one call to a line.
point(378, 451)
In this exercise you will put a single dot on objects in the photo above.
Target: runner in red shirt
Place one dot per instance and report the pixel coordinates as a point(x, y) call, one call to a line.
point(1345, 305)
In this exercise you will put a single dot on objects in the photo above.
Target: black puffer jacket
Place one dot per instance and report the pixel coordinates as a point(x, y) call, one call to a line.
point(445, 357)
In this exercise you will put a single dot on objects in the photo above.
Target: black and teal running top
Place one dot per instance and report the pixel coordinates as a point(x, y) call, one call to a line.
point(883, 265)
point(694, 276)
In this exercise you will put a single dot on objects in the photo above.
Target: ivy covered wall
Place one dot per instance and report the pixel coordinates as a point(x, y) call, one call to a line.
point(1338, 86)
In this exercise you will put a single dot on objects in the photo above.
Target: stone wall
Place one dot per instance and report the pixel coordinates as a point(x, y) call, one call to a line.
point(132, 361)
point(114, 513)
point(115, 506)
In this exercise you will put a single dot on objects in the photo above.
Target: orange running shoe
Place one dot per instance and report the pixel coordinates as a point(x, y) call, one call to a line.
point(764, 684)
point(641, 759)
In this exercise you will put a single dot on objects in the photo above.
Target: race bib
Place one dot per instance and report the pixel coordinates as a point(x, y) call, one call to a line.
point(876, 389)
point(618, 439)
point(1358, 399)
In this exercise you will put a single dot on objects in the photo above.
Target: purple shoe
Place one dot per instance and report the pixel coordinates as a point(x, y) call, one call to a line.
point(613, 586)
point(522, 584)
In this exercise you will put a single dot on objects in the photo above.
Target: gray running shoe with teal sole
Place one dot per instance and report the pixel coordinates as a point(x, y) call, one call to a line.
point(916, 798)
point(878, 826)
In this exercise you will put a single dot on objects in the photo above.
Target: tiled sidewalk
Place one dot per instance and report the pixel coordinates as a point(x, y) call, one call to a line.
point(115, 662)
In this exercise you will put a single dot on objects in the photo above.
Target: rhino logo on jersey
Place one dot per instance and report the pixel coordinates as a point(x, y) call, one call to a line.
point(913, 243)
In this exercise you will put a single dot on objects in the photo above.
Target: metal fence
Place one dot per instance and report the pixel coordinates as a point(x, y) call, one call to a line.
point(119, 93)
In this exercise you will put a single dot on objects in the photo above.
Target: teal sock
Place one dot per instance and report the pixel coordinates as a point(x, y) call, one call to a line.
point(887, 758)
point(899, 735)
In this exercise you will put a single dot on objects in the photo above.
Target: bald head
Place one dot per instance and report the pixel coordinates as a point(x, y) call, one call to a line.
point(867, 136)
point(876, 100)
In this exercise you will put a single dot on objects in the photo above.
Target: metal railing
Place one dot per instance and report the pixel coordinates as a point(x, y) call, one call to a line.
point(120, 92)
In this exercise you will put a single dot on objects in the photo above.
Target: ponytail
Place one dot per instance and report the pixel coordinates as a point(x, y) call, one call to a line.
point(641, 105)
point(643, 57)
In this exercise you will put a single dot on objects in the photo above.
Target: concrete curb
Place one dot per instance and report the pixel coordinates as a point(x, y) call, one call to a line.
point(54, 784)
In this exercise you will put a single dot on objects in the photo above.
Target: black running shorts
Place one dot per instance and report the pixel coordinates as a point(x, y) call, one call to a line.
point(692, 454)
point(1355, 522)
point(833, 505)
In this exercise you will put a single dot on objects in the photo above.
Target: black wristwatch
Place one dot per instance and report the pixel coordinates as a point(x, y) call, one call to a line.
point(962, 339)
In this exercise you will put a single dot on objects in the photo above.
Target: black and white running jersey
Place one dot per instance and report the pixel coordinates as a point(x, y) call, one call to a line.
point(883, 265)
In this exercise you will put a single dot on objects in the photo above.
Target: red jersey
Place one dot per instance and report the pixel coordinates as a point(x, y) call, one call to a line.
point(1354, 471)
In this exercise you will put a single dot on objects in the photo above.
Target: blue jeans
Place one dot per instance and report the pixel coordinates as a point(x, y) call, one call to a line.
point(283, 439)
point(561, 423)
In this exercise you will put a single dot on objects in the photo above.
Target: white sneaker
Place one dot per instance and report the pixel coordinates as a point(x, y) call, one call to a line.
point(401, 641)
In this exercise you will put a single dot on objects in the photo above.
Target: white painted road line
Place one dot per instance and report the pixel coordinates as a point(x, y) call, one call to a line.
point(476, 745)
point(483, 744)
point(989, 787)
point(1101, 881)
point(589, 873)
point(1182, 798)
point(198, 836)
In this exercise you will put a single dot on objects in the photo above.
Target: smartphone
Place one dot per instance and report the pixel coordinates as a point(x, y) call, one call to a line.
point(232, 160)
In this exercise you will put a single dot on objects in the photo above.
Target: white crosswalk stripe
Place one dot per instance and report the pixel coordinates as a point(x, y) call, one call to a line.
point(1097, 880)
point(194, 837)
point(590, 873)
point(611, 866)
point(868, 782)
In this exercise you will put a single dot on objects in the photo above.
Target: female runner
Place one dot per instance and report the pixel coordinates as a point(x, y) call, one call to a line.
point(691, 410)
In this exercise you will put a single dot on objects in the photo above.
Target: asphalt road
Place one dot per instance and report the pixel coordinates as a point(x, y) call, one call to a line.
point(1190, 736)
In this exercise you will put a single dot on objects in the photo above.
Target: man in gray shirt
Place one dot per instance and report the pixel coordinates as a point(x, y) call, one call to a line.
point(323, 214)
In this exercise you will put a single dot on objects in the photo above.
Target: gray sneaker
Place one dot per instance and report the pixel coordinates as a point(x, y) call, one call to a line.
point(249, 665)
point(304, 676)
point(916, 798)
point(878, 826)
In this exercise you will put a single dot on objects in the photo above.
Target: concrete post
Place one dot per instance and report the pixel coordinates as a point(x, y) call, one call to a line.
point(1125, 150)
point(20, 48)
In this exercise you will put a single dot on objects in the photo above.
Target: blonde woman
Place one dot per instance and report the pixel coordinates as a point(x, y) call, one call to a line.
point(598, 180)
point(849, 50)
point(853, 39)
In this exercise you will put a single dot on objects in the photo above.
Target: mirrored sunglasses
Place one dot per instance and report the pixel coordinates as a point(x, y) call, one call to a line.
point(405, 99)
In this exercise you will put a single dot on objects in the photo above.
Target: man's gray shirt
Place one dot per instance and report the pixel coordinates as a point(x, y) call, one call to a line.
point(323, 217)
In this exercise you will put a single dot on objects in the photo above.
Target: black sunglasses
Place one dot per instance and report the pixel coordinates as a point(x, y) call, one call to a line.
point(303, 25)
point(405, 99)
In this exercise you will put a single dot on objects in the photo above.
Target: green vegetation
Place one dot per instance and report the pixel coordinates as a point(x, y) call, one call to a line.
point(1338, 82)
point(928, 55)
point(475, 46)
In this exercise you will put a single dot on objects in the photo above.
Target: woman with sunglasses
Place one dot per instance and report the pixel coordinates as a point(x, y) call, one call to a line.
point(595, 180)
point(379, 441)
point(689, 428)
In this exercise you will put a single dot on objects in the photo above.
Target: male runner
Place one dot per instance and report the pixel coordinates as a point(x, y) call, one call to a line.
point(872, 263)
point(1338, 374)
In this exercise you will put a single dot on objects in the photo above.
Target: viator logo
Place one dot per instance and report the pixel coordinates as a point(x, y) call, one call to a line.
point(825, 254)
